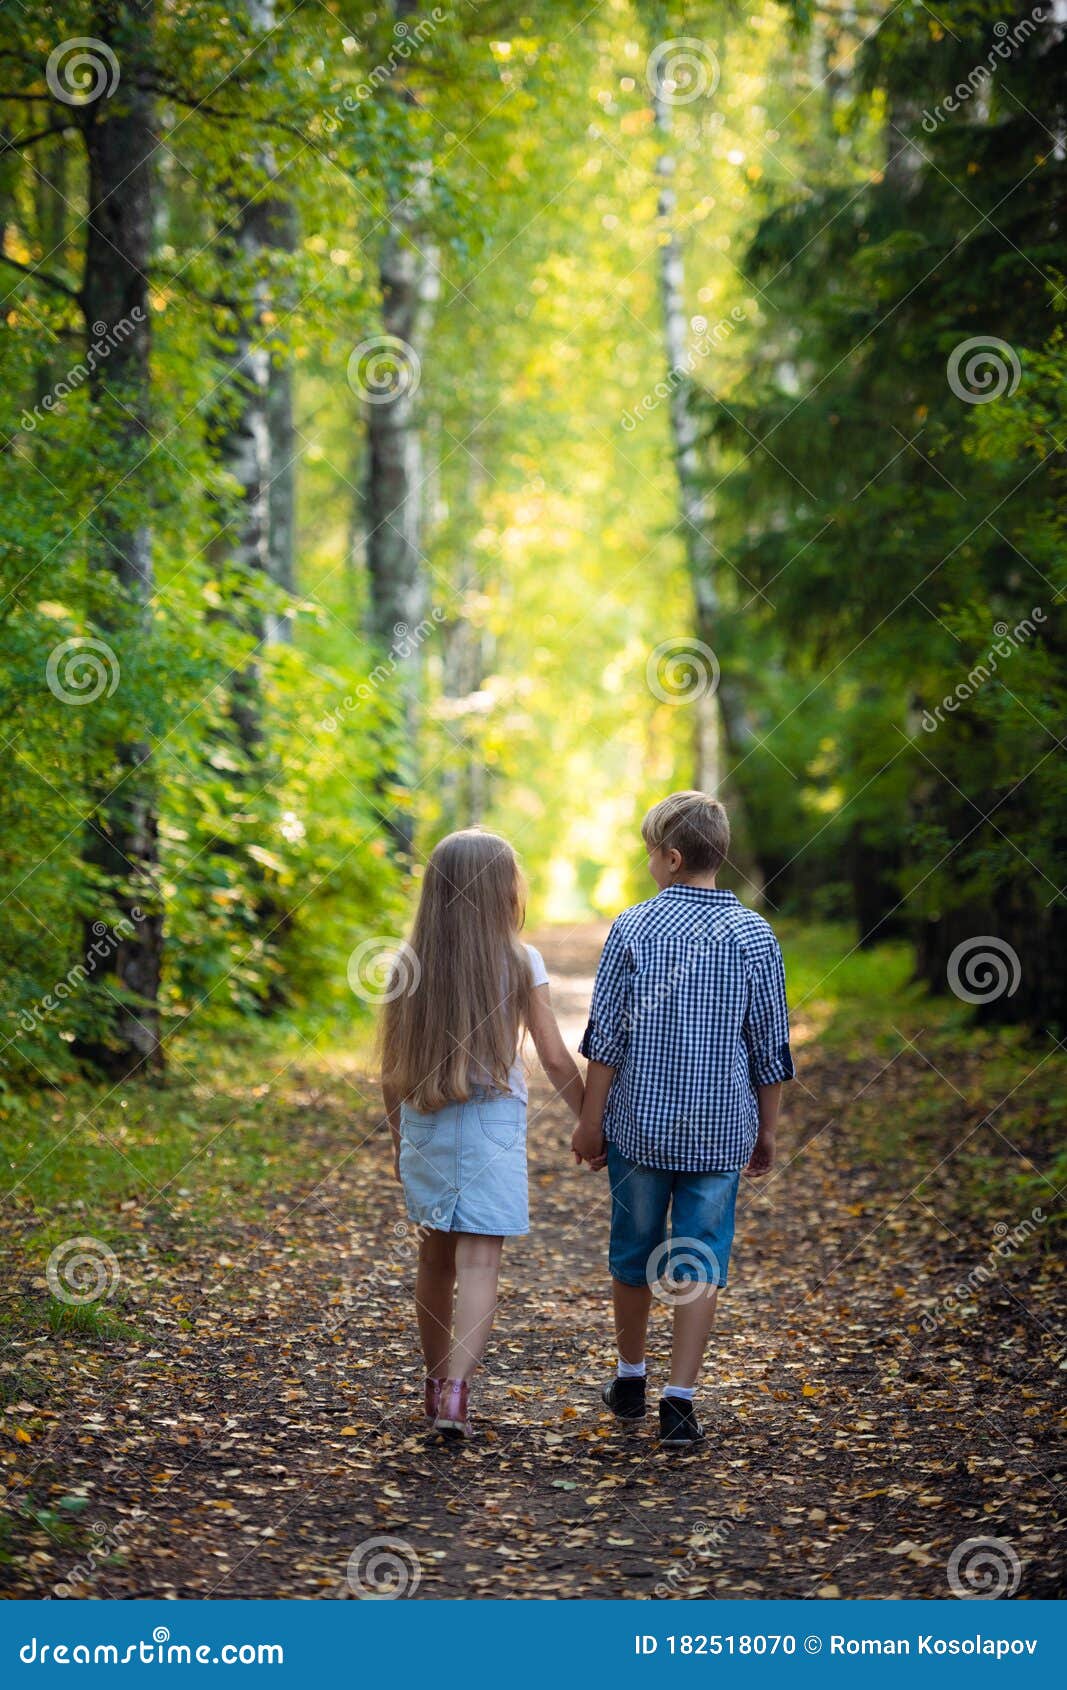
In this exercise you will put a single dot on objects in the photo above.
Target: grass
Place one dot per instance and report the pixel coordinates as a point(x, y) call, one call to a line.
point(839, 991)
point(64, 1532)
point(222, 1123)
point(88, 1320)
point(960, 1073)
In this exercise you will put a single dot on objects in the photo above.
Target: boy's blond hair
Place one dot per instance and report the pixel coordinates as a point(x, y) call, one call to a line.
point(693, 824)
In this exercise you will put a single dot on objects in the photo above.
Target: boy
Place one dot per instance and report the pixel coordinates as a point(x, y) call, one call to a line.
point(688, 1046)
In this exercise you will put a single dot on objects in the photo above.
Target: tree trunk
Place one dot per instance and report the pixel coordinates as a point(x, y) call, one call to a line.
point(394, 505)
point(699, 556)
point(244, 453)
point(258, 442)
point(257, 449)
point(394, 502)
point(123, 840)
point(281, 432)
point(721, 717)
point(466, 660)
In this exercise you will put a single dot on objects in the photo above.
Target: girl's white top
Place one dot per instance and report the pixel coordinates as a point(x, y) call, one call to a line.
point(517, 1074)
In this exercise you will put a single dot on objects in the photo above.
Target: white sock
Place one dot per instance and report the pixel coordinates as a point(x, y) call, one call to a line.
point(683, 1391)
point(630, 1369)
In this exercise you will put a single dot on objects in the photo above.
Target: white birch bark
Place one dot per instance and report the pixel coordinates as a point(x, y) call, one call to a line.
point(699, 553)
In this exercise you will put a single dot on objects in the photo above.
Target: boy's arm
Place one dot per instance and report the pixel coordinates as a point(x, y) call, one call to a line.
point(588, 1140)
point(762, 1159)
point(770, 1059)
point(604, 1044)
point(392, 1115)
point(555, 1058)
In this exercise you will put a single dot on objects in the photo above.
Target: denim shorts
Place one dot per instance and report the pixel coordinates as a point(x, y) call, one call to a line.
point(463, 1167)
point(701, 1208)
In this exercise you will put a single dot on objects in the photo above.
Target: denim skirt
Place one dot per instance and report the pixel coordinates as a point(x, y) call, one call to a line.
point(463, 1168)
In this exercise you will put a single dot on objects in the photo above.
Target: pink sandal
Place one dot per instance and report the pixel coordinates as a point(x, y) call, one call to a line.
point(452, 1409)
point(433, 1397)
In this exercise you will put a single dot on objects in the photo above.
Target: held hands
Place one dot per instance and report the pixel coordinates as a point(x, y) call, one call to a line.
point(762, 1158)
point(588, 1145)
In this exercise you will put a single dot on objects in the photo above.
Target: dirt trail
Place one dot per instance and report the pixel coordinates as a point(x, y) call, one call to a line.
point(271, 1431)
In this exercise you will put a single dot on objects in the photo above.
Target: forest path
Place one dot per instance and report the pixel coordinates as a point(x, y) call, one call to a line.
point(269, 1436)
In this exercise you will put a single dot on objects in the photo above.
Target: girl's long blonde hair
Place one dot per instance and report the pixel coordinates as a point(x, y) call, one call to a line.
point(459, 1024)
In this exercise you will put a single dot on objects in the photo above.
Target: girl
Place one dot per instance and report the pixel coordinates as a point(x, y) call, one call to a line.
point(466, 989)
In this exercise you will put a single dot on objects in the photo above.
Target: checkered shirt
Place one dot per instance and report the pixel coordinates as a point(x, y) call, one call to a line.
point(689, 1009)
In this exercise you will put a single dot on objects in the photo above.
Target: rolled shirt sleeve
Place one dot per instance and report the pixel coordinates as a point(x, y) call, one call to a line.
point(607, 1034)
point(767, 1024)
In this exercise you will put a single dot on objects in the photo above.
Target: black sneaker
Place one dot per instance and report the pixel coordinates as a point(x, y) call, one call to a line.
point(679, 1427)
point(626, 1398)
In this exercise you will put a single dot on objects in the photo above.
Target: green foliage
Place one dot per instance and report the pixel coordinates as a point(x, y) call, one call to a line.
point(910, 525)
point(872, 530)
point(270, 866)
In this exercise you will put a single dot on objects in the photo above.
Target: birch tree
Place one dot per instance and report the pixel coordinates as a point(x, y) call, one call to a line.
point(693, 514)
point(257, 445)
point(679, 71)
point(386, 371)
point(123, 843)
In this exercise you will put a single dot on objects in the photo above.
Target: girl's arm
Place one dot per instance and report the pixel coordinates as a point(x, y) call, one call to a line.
point(555, 1058)
point(392, 1115)
point(588, 1141)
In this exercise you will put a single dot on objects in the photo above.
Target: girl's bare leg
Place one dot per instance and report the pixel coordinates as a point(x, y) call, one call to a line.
point(477, 1270)
point(435, 1282)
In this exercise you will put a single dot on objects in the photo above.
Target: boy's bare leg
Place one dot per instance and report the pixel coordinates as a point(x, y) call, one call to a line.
point(435, 1282)
point(693, 1321)
point(632, 1303)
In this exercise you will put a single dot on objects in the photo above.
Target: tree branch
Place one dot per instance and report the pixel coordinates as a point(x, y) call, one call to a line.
point(175, 279)
point(11, 141)
point(168, 92)
point(43, 277)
